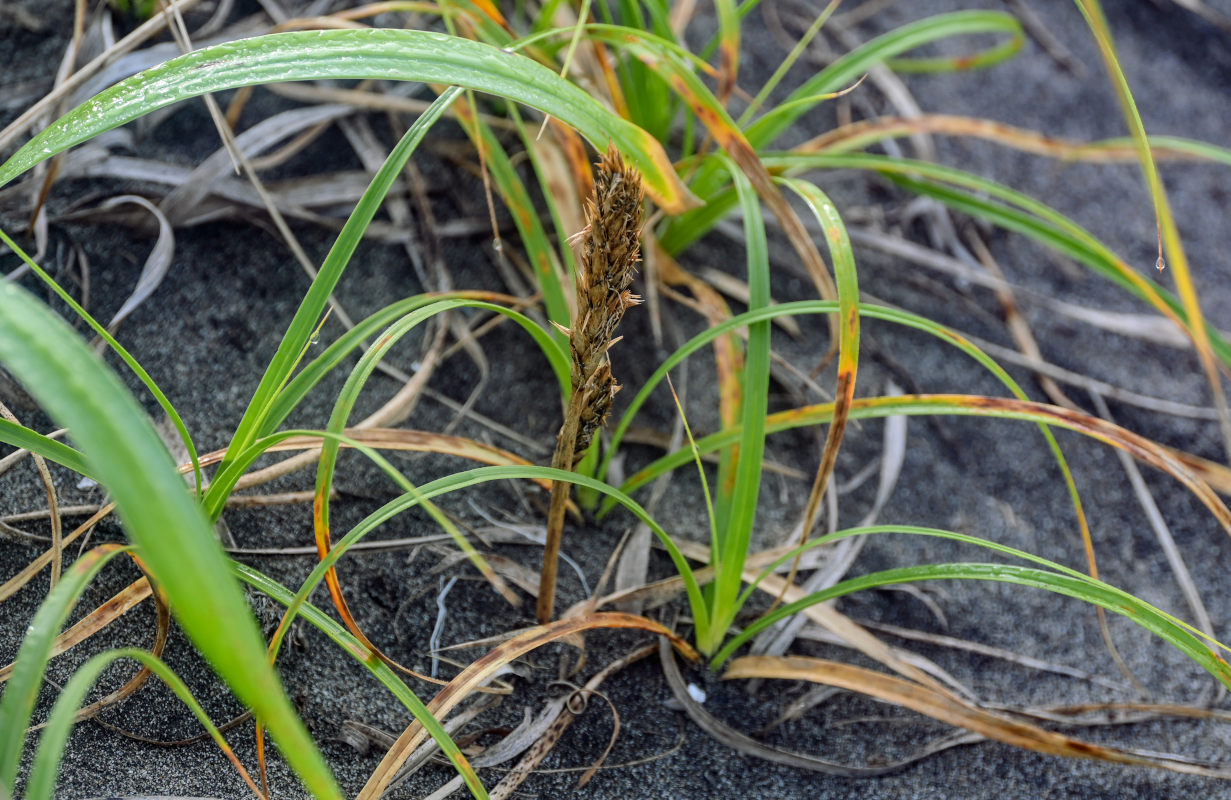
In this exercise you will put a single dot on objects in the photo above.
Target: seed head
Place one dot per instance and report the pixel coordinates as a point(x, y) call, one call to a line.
point(609, 255)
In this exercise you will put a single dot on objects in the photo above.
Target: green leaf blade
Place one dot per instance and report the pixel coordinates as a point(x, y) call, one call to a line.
point(170, 530)
point(356, 54)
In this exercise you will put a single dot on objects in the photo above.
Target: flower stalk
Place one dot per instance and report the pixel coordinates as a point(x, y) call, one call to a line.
point(610, 251)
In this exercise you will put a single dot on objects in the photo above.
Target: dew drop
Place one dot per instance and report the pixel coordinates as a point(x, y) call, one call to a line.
point(1160, 265)
point(498, 245)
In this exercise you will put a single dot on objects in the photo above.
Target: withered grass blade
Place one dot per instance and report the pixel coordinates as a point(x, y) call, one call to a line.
point(947, 708)
point(482, 669)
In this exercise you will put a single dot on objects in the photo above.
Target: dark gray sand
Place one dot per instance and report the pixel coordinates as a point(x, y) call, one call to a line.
point(209, 330)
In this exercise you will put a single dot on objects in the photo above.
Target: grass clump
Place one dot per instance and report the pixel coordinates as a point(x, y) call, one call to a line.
point(619, 80)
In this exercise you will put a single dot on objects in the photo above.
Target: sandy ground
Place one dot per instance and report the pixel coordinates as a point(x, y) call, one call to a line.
point(212, 326)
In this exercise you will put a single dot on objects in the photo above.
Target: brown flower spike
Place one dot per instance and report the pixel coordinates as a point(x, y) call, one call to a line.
point(609, 254)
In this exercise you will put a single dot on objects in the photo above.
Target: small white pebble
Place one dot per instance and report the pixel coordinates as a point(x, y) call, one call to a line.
point(697, 692)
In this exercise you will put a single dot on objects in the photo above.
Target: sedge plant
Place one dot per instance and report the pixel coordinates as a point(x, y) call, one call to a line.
point(697, 163)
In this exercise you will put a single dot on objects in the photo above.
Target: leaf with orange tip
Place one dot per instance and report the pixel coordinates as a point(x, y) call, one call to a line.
point(728, 48)
point(980, 197)
point(489, 8)
point(848, 339)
